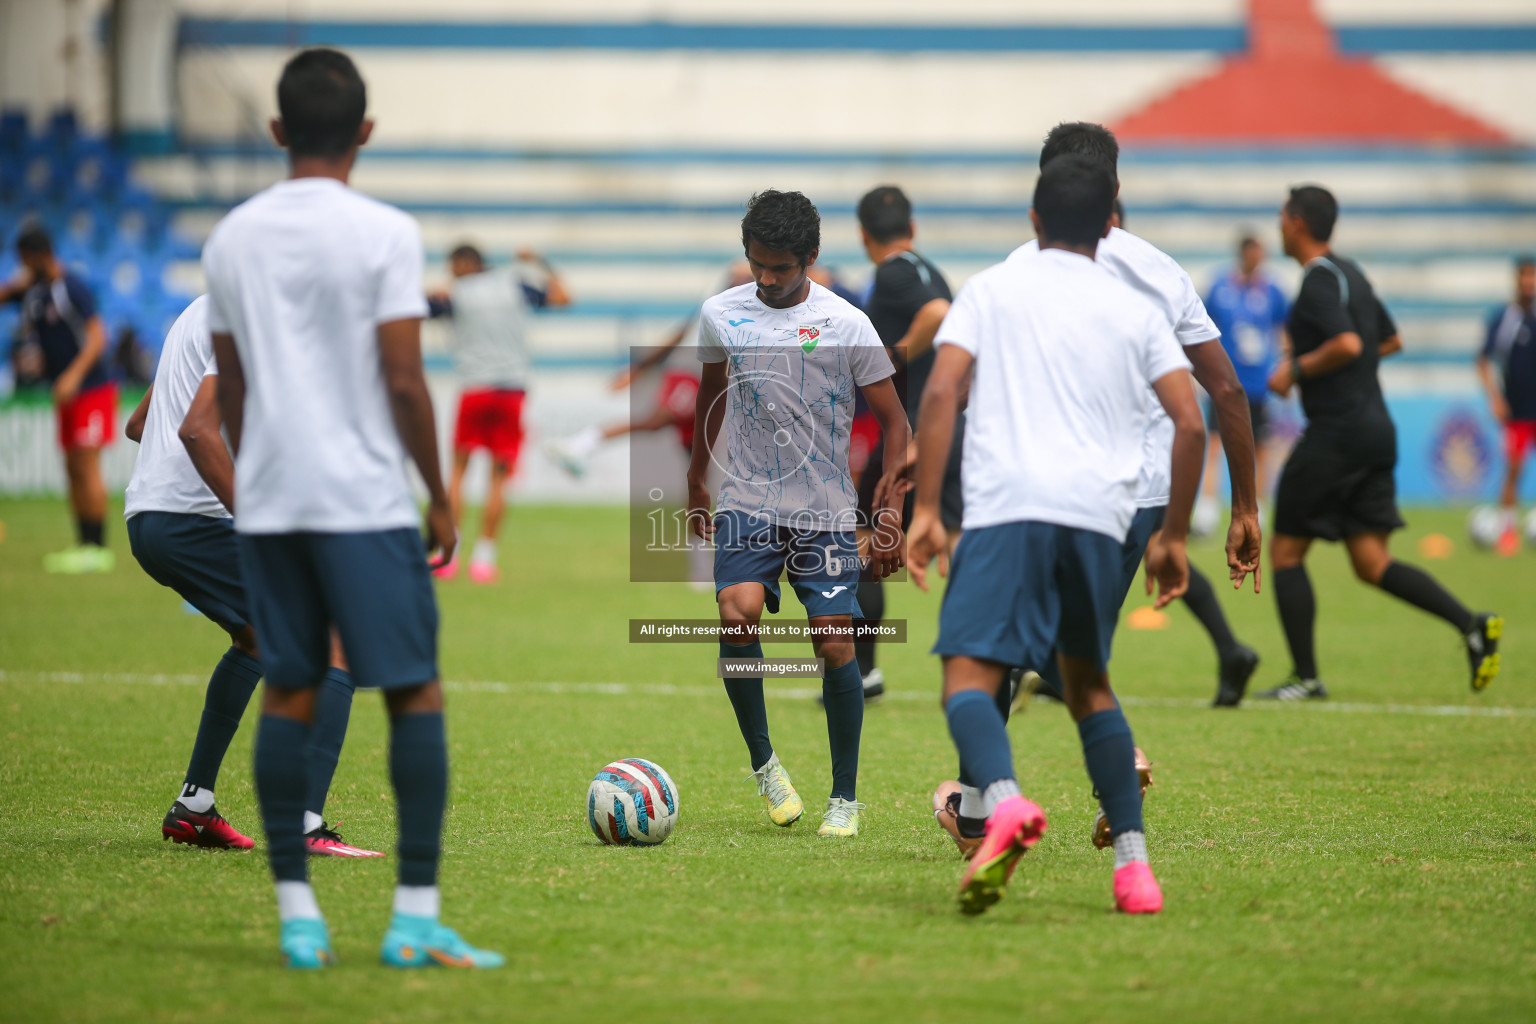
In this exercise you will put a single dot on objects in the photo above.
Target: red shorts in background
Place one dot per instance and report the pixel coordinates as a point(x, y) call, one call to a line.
point(678, 394)
point(862, 438)
point(1519, 435)
point(90, 421)
point(490, 419)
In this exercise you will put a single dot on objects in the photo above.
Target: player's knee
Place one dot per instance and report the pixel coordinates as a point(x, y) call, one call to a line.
point(244, 640)
point(836, 653)
point(1369, 568)
point(414, 700)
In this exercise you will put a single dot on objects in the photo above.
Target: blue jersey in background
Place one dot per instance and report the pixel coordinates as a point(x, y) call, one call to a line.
point(1249, 316)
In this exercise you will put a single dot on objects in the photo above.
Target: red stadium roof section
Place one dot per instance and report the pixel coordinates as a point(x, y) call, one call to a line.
point(1293, 86)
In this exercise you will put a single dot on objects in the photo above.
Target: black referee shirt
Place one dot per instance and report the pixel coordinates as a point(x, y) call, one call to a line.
point(1335, 299)
point(904, 284)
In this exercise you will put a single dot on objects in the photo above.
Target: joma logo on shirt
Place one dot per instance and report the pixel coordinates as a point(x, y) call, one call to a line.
point(808, 336)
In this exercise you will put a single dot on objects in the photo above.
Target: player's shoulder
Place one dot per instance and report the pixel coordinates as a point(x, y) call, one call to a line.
point(828, 303)
point(1139, 255)
point(729, 301)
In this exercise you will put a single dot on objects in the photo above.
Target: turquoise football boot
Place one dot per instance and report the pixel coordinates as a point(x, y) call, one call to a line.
point(423, 942)
point(306, 944)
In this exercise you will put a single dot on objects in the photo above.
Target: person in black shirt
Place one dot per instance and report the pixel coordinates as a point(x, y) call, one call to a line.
point(1338, 483)
point(907, 303)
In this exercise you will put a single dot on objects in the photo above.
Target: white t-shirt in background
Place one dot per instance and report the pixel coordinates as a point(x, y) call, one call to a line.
point(1065, 354)
point(1157, 277)
point(302, 274)
point(790, 402)
point(164, 479)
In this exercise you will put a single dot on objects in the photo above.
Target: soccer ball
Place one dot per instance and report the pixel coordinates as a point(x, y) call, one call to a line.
point(632, 801)
point(1484, 525)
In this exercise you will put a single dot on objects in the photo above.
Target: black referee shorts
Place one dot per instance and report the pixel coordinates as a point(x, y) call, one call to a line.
point(1326, 495)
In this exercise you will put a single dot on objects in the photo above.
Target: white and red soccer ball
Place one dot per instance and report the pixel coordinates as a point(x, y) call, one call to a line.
point(632, 801)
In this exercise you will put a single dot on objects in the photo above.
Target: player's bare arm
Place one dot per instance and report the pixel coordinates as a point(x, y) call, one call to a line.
point(709, 413)
point(68, 385)
point(410, 403)
point(919, 337)
point(1391, 346)
point(885, 542)
point(133, 430)
point(926, 537)
point(230, 388)
point(1214, 370)
point(199, 434)
point(1167, 565)
point(1497, 404)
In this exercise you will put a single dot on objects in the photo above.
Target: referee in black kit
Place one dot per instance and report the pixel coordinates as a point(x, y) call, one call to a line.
point(1338, 483)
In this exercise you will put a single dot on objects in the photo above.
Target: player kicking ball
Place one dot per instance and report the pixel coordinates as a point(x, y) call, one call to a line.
point(1049, 498)
point(179, 525)
point(315, 303)
point(781, 359)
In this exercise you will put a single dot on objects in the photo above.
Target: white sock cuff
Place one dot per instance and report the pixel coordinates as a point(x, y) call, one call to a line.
point(1130, 846)
point(296, 902)
point(312, 821)
point(999, 791)
point(196, 800)
point(418, 900)
point(971, 804)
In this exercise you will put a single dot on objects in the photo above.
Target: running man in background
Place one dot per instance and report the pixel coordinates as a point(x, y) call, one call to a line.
point(179, 525)
point(1338, 484)
point(1064, 354)
point(906, 305)
point(781, 359)
point(315, 302)
point(1249, 309)
point(1510, 346)
point(58, 316)
point(489, 309)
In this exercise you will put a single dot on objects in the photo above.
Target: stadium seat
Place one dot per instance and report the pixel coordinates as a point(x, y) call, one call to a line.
point(13, 131)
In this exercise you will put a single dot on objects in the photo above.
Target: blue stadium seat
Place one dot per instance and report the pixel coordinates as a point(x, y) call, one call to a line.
point(13, 130)
point(98, 170)
point(63, 129)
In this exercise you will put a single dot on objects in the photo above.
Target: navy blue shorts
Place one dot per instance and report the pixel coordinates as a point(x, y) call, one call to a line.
point(196, 556)
point(1146, 522)
point(1016, 590)
point(823, 565)
point(373, 587)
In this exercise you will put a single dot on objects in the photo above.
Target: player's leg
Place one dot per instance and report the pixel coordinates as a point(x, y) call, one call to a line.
point(1297, 605)
point(456, 473)
point(1373, 563)
point(88, 506)
point(1235, 662)
point(333, 712)
point(291, 619)
point(378, 591)
point(1089, 575)
point(1518, 438)
point(482, 560)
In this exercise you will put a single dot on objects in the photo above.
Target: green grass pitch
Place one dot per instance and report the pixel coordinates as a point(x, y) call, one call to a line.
point(1372, 860)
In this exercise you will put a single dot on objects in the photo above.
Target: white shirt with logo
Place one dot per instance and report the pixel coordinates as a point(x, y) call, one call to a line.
point(1065, 354)
point(1157, 277)
point(790, 399)
point(302, 274)
point(164, 478)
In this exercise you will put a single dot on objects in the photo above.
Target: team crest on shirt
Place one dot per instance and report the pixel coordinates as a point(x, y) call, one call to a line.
point(808, 336)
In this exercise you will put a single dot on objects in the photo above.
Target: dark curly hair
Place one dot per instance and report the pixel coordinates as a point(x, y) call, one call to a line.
point(782, 221)
point(1082, 138)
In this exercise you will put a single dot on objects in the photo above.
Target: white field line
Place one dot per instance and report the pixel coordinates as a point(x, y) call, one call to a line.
point(804, 693)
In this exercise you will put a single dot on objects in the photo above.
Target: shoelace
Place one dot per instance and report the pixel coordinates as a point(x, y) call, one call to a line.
point(772, 782)
point(326, 832)
point(841, 815)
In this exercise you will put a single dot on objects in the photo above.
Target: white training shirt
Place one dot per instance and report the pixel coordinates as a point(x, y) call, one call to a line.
point(490, 329)
point(164, 479)
point(790, 402)
point(1065, 354)
point(1158, 278)
point(302, 274)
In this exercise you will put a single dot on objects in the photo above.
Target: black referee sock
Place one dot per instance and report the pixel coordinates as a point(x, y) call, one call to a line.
point(1298, 610)
point(1417, 587)
point(1200, 598)
point(92, 532)
point(418, 766)
point(872, 604)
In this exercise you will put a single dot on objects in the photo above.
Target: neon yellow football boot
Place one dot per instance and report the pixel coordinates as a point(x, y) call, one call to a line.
point(841, 818)
point(773, 785)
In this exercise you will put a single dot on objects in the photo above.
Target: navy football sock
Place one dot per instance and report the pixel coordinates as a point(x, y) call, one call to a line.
point(842, 690)
point(418, 766)
point(333, 708)
point(747, 700)
point(281, 782)
point(1111, 755)
point(229, 691)
point(1298, 609)
point(1201, 599)
point(980, 736)
point(1419, 588)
